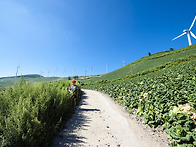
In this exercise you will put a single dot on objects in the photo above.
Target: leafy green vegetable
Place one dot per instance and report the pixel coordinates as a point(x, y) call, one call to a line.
point(164, 95)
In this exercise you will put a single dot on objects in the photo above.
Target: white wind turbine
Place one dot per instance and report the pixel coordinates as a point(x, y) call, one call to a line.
point(64, 72)
point(124, 63)
point(18, 67)
point(17, 71)
point(48, 73)
point(188, 32)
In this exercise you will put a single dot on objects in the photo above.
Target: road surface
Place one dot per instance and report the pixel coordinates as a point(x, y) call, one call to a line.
point(99, 121)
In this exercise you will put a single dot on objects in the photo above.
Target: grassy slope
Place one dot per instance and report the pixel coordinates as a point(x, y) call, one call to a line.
point(161, 88)
point(147, 63)
point(11, 81)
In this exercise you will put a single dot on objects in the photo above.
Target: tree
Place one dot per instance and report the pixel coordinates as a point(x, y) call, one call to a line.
point(149, 54)
point(76, 77)
point(171, 49)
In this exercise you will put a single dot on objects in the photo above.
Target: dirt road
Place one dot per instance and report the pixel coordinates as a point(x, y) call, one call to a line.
point(98, 121)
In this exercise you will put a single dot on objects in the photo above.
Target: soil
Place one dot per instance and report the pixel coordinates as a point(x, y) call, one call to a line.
point(99, 121)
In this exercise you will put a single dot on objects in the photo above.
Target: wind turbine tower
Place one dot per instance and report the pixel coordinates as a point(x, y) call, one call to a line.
point(124, 63)
point(56, 71)
point(64, 72)
point(74, 71)
point(85, 75)
point(48, 73)
point(41, 73)
point(188, 32)
point(18, 67)
point(91, 71)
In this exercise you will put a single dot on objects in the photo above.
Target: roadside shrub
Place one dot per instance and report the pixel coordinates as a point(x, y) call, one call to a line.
point(32, 113)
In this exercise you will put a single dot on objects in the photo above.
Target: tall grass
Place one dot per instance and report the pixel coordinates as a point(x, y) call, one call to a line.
point(30, 114)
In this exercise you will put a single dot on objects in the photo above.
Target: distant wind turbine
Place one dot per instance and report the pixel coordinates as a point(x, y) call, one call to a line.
point(124, 63)
point(41, 73)
point(56, 71)
point(85, 75)
point(48, 73)
point(188, 32)
point(18, 67)
point(91, 71)
point(74, 71)
point(64, 72)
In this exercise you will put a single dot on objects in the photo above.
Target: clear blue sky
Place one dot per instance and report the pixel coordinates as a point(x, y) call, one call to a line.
point(53, 37)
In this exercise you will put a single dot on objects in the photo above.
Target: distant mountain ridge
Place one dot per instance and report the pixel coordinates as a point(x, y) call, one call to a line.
point(25, 76)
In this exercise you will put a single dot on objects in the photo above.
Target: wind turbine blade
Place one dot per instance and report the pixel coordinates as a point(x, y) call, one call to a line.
point(179, 36)
point(193, 35)
point(192, 23)
point(189, 39)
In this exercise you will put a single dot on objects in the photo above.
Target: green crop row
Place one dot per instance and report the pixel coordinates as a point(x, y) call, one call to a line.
point(165, 53)
point(166, 100)
point(160, 67)
point(147, 63)
point(30, 114)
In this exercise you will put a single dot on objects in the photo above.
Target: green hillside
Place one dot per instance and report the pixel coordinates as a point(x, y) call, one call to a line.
point(10, 81)
point(25, 76)
point(161, 89)
point(148, 63)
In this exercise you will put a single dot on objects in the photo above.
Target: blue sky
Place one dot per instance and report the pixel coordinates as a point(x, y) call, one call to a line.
point(54, 37)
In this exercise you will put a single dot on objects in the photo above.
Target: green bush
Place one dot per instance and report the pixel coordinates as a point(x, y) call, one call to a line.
point(30, 114)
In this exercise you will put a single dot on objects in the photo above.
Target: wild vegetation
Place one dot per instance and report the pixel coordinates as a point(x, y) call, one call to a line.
point(10, 81)
point(161, 89)
point(30, 114)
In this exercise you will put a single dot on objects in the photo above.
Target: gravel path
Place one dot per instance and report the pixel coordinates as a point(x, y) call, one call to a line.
point(99, 121)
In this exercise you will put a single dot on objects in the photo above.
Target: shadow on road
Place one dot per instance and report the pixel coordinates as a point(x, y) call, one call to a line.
point(68, 136)
point(89, 109)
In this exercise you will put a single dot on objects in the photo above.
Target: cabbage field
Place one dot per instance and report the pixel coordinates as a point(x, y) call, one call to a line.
point(164, 95)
